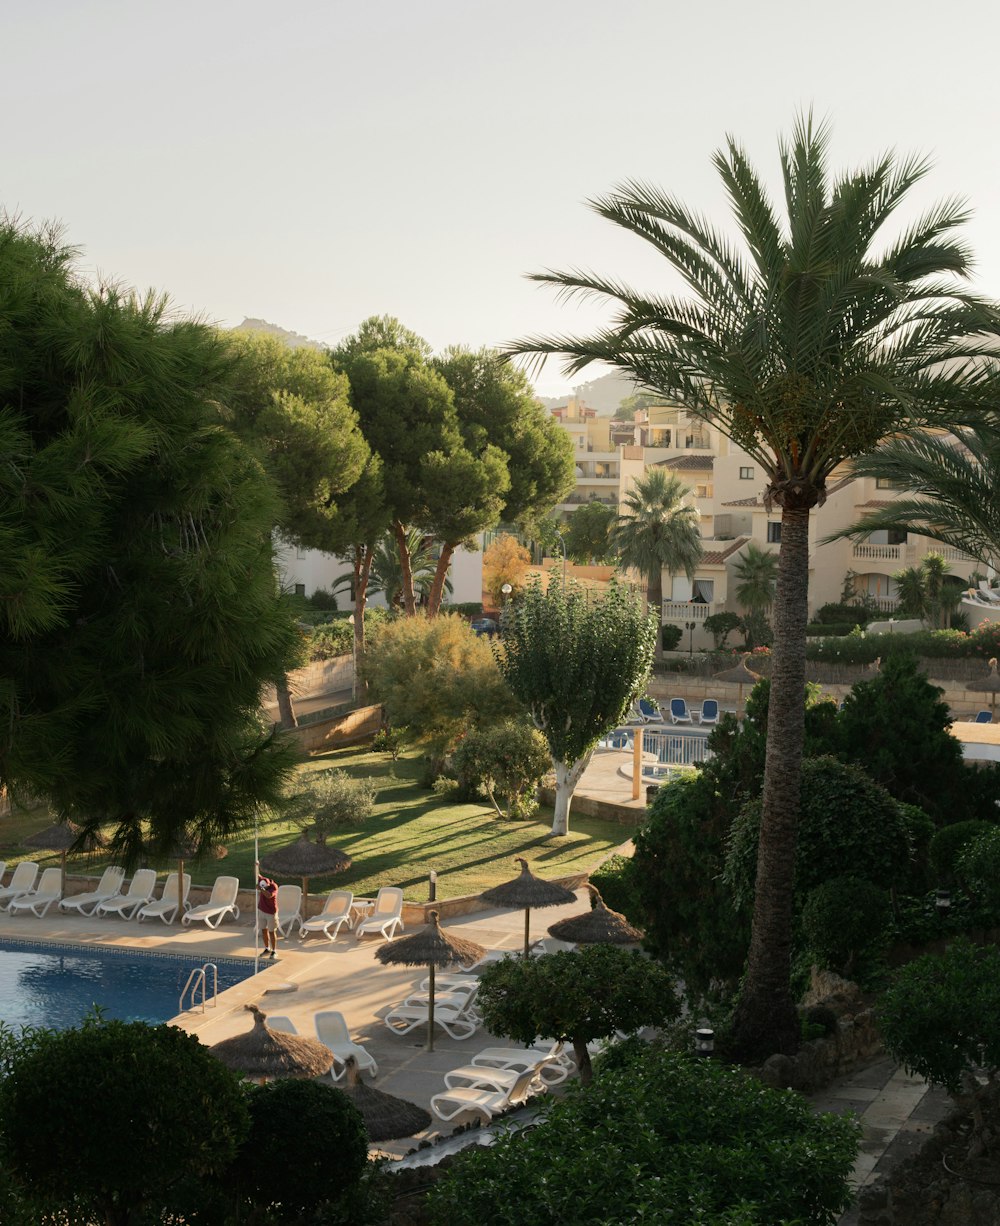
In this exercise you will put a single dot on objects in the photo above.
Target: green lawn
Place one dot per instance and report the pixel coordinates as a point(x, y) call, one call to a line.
point(410, 833)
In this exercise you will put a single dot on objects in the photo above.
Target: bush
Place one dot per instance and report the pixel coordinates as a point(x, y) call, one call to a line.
point(332, 800)
point(322, 599)
point(846, 921)
point(659, 1137)
point(307, 1147)
point(468, 609)
point(670, 636)
point(331, 639)
point(387, 740)
point(848, 825)
point(947, 845)
point(720, 626)
point(846, 614)
point(506, 761)
point(979, 868)
point(616, 879)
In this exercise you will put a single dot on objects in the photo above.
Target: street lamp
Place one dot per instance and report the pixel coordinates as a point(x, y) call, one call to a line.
point(704, 1042)
point(690, 627)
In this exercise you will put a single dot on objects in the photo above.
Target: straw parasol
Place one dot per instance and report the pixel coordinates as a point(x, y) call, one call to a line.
point(185, 847)
point(305, 858)
point(61, 837)
point(741, 675)
point(263, 1052)
point(386, 1117)
point(431, 947)
point(989, 685)
point(598, 926)
point(527, 891)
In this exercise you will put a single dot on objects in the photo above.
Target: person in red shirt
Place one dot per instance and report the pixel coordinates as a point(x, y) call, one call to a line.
point(267, 907)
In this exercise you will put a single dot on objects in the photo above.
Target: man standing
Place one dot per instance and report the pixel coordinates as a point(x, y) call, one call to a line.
point(267, 908)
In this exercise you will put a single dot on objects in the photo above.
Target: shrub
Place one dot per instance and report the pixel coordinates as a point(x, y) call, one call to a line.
point(387, 740)
point(331, 639)
point(847, 825)
point(322, 599)
point(920, 829)
point(307, 1146)
point(940, 1018)
point(846, 614)
point(948, 843)
point(506, 761)
point(979, 868)
point(720, 626)
point(471, 608)
point(844, 921)
point(332, 800)
point(617, 881)
point(670, 636)
point(659, 1137)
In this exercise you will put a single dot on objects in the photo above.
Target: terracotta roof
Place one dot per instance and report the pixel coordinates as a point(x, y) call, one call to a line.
point(874, 503)
point(715, 557)
point(744, 502)
point(704, 463)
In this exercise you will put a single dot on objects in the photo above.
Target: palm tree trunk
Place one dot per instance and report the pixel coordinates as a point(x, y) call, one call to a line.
point(286, 711)
point(409, 599)
point(766, 1020)
point(654, 604)
point(440, 574)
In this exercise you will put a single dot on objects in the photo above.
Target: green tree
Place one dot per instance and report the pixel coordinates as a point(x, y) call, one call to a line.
point(819, 339)
point(588, 533)
point(73, 1102)
point(589, 993)
point(506, 760)
point(657, 531)
point(577, 667)
point(139, 610)
point(386, 576)
point(331, 800)
point(756, 572)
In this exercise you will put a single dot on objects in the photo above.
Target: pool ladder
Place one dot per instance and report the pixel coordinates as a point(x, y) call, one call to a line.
point(199, 979)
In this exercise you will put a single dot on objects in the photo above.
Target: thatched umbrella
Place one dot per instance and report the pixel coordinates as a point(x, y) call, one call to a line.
point(527, 891)
point(187, 848)
point(263, 1052)
point(598, 926)
point(61, 837)
point(741, 675)
point(386, 1116)
point(989, 685)
point(431, 947)
point(305, 859)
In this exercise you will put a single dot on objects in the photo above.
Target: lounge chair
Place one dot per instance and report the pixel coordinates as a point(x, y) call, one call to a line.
point(489, 1076)
point(139, 894)
point(336, 912)
point(553, 1066)
point(277, 1021)
point(650, 712)
point(221, 904)
point(983, 717)
point(387, 915)
point(484, 1101)
point(289, 908)
point(709, 711)
point(22, 881)
point(462, 999)
point(38, 901)
point(108, 886)
point(679, 713)
point(457, 1018)
point(332, 1032)
point(169, 904)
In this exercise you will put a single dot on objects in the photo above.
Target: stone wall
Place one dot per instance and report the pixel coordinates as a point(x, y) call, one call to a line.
point(317, 677)
point(357, 725)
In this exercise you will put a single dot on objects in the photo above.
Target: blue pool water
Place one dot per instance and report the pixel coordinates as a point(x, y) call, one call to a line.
point(56, 985)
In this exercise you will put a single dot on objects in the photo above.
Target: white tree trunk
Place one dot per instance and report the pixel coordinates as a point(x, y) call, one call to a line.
point(567, 777)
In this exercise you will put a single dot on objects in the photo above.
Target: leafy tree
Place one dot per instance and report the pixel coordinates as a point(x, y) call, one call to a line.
point(844, 920)
point(577, 666)
point(139, 611)
point(720, 626)
point(505, 561)
point(756, 572)
point(331, 800)
point(821, 338)
point(589, 993)
point(437, 679)
point(588, 533)
point(657, 530)
point(506, 760)
point(702, 1143)
point(70, 1108)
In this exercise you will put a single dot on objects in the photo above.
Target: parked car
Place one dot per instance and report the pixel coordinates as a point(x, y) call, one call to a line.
point(485, 625)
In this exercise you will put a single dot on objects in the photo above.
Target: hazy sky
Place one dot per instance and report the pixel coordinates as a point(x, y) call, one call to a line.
point(312, 163)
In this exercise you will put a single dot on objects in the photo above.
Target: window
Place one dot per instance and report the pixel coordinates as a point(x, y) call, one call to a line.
point(746, 474)
point(703, 591)
point(774, 533)
point(886, 483)
point(897, 536)
point(300, 589)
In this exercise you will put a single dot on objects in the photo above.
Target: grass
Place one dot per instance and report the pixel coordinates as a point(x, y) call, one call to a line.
point(410, 832)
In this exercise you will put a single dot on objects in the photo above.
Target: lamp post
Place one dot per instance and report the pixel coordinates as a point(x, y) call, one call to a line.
point(704, 1042)
point(690, 627)
point(942, 903)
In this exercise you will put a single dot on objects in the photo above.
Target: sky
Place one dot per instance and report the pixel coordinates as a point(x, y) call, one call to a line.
point(313, 163)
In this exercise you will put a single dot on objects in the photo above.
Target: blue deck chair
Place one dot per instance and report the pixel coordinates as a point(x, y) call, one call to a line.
point(709, 711)
point(983, 717)
point(679, 713)
point(650, 711)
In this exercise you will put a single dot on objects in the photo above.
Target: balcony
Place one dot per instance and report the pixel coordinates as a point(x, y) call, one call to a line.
point(687, 611)
point(864, 551)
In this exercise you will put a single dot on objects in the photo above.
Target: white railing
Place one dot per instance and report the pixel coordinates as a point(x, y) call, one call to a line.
point(950, 553)
point(865, 551)
point(685, 611)
point(675, 748)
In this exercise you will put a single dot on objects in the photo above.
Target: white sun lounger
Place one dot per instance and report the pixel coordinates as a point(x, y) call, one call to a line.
point(289, 909)
point(387, 915)
point(483, 1100)
point(456, 1018)
point(554, 1065)
point(336, 912)
point(39, 900)
point(138, 894)
point(490, 1077)
point(221, 904)
point(168, 904)
point(21, 882)
point(108, 886)
point(332, 1032)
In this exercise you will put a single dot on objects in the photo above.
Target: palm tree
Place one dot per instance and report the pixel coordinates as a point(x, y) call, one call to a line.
point(807, 343)
point(657, 531)
point(757, 572)
point(386, 575)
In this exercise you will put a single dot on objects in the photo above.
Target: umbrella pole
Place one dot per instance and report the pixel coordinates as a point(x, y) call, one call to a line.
point(180, 888)
point(527, 925)
point(430, 1011)
point(62, 865)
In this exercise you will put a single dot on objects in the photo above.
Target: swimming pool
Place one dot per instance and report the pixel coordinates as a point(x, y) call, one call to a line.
point(43, 984)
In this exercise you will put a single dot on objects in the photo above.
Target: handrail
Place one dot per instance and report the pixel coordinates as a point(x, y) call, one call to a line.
point(199, 978)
